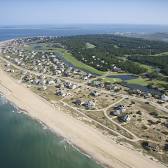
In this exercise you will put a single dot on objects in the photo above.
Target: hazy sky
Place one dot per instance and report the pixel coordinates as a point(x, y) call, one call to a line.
point(20, 12)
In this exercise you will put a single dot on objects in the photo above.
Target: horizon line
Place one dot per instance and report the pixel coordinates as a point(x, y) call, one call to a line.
point(97, 24)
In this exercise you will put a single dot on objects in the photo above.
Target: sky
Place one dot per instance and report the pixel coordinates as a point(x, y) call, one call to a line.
point(53, 12)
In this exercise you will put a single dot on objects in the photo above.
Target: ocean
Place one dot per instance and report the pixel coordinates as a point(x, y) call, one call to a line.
point(26, 143)
point(10, 32)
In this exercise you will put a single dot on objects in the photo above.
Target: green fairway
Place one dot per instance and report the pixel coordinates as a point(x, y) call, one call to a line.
point(161, 54)
point(139, 81)
point(111, 80)
point(72, 60)
point(90, 46)
point(150, 69)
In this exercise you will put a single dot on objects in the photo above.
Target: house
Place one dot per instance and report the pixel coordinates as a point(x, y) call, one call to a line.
point(67, 74)
point(116, 69)
point(36, 81)
point(150, 146)
point(10, 70)
point(61, 93)
point(70, 85)
point(89, 104)
point(58, 81)
point(85, 78)
point(164, 97)
point(51, 82)
point(8, 65)
point(97, 83)
point(116, 88)
point(73, 86)
point(78, 102)
point(94, 93)
point(120, 107)
point(147, 95)
point(109, 87)
point(125, 118)
point(43, 81)
point(118, 110)
point(166, 147)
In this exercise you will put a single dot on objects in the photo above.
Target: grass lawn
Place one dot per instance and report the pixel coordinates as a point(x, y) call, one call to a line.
point(139, 81)
point(160, 84)
point(118, 73)
point(161, 54)
point(150, 69)
point(111, 80)
point(72, 60)
point(89, 45)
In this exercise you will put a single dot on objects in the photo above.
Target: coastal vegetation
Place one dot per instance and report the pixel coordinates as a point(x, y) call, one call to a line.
point(110, 50)
point(158, 61)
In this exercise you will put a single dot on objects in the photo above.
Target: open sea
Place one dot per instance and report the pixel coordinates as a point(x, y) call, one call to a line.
point(10, 32)
point(25, 143)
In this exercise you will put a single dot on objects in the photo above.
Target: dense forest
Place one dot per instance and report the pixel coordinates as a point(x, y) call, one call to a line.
point(159, 61)
point(104, 51)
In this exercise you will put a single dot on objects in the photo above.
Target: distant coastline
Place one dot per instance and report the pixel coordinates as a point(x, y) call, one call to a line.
point(10, 32)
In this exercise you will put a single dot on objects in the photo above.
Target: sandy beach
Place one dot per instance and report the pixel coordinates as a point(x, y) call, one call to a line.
point(90, 140)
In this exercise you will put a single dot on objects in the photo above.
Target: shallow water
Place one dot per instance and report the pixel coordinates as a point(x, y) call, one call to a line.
point(24, 143)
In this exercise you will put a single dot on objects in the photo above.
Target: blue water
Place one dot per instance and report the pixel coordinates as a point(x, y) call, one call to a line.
point(10, 32)
point(144, 89)
point(24, 143)
point(124, 77)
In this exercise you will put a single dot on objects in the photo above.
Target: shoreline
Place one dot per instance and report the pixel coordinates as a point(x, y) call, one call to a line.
point(45, 127)
point(85, 138)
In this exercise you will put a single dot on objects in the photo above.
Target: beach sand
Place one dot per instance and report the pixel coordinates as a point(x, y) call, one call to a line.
point(88, 139)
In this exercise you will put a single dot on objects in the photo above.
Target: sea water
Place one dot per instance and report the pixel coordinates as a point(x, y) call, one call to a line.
point(10, 32)
point(25, 143)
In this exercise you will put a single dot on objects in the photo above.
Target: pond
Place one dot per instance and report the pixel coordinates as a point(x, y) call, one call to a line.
point(124, 77)
point(127, 77)
point(143, 88)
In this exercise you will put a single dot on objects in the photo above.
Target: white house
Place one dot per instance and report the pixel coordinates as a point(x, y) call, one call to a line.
point(164, 97)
